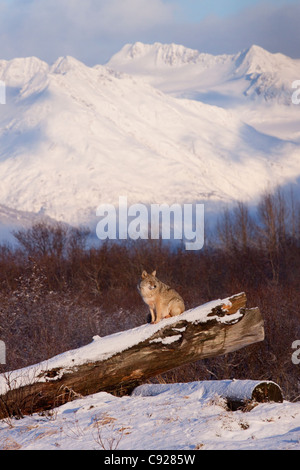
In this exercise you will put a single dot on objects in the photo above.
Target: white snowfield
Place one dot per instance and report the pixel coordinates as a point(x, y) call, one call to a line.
point(177, 127)
point(180, 417)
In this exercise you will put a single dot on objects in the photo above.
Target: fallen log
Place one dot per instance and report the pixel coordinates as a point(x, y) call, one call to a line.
point(237, 393)
point(118, 363)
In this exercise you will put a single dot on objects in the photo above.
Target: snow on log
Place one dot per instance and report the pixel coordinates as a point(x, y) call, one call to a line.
point(118, 363)
point(237, 393)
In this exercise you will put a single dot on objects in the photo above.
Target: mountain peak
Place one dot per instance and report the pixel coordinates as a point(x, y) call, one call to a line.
point(84, 136)
point(254, 49)
point(16, 72)
point(254, 73)
point(65, 63)
point(255, 59)
point(157, 54)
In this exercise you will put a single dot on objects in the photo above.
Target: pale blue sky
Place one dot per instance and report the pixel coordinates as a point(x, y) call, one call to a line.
point(93, 30)
point(197, 10)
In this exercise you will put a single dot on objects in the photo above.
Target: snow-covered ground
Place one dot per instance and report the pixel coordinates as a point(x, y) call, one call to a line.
point(187, 416)
point(184, 418)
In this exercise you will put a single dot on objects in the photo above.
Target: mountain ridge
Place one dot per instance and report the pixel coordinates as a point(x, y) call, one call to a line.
point(262, 75)
point(73, 137)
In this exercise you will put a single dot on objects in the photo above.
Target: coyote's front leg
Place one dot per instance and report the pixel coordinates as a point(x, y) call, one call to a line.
point(157, 315)
point(152, 313)
point(162, 312)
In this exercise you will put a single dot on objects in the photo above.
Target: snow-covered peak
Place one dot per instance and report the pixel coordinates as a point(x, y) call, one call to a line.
point(156, 55)
point(164, 54)
point(18, 71)
point(254, 73)
point(257, 60)
point(74, 136)
point(64, 64)
point(270, 75)
point(144, 57)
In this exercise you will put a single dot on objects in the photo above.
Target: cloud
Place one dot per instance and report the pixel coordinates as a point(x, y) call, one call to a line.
point(134, 15)
point(51, 28)
point(272, 27)
point(93, 30)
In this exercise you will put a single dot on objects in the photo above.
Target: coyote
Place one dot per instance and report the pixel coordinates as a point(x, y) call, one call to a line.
point(163, 301)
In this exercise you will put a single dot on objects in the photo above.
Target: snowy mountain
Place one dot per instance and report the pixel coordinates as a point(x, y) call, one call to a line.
point(73, 137)
point(255, 73)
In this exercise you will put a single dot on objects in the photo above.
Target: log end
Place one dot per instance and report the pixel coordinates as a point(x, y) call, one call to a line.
point(267, 391)
point(262, 392)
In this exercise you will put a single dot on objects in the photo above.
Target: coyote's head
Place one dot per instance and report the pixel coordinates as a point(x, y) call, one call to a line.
point(148, 283)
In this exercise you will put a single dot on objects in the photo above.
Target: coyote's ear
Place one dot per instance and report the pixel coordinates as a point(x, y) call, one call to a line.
point(154, 273)
point(144, 274)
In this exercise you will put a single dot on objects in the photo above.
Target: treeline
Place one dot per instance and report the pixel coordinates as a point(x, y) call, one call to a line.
point(56, 292)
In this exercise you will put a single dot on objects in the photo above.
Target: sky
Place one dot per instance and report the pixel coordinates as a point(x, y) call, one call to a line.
point(93, 30)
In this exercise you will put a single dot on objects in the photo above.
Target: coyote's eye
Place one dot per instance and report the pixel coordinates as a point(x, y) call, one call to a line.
point(154, 287)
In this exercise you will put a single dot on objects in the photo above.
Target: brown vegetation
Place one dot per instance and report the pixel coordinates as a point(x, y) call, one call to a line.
point(56, 292)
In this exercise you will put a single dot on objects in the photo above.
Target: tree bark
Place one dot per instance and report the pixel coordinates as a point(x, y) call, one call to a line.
point(210, 330)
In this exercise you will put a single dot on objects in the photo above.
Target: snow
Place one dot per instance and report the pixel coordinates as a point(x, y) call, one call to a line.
point(102, 348)
point(231, 389)
point(182, 417)
point(253, 73)
point(158, 123)
point(167, 340)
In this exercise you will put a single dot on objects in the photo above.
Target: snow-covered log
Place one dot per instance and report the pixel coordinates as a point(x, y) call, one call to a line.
point(237, 393)
point(117, 363)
